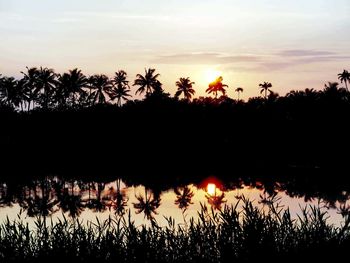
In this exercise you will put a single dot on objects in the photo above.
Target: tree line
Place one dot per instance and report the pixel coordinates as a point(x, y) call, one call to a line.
point(44, 88)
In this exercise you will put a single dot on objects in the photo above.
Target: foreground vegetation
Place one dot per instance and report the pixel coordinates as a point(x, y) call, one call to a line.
point(244, 234)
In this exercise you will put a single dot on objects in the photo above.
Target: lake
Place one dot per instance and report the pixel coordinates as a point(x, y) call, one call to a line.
point(90, 200)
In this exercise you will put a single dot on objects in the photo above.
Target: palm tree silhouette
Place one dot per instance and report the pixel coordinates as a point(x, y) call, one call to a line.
point(184, 85)
point(30, 86)
point(148, 205)
point(184, 197)
point(239, 90)
point(121, 89)
point(147, 83)
point(102, 86)
point(97, 204)
point(44, 203)
point(216, 201)
point(217, 86)
point(71, 203)
point(73, 84)
point(46, 83)
point(265, 87)
point(11, 91)
point(344, 77)
point(117, 199)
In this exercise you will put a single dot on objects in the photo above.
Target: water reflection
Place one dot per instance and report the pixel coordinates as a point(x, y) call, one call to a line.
point(147, 204)
point(78, 198)
point(184, 197)
point(215, 199)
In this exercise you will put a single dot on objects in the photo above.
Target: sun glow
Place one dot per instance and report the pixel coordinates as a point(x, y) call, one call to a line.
point(211, 75)
point(211, 189)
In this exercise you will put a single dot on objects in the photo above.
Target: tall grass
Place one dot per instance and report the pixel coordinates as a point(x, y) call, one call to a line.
point(234, 234)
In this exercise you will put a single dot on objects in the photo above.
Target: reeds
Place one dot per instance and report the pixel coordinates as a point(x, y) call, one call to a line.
point(244, 233)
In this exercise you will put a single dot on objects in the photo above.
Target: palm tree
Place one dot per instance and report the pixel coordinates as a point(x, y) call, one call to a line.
point(184, 85)
point(333, 93)
point(147, 83)
point(344, 77)
point(217, 86)
point(97, 204)
point(30, 87)
point(117, 198)
point(148, 205)
point(216, 201)
point(121, 89)
point(71, 203)
point(11, 91)
point(101, 86)
point(46, 83)
point(239, 90)
point(43, 204)
point(265, 87)
point(184, 197)
point(73, 84)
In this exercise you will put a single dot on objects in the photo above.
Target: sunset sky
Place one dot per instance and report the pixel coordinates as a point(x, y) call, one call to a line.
point(294, 44)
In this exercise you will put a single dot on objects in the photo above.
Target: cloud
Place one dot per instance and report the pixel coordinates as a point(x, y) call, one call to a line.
point(304, 53)
point(206, 58)
point(117, 16)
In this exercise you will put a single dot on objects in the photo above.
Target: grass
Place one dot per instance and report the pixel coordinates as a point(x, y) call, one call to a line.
point(245, 234)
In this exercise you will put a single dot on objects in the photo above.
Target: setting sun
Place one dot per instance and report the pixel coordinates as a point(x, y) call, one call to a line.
point(211, 189)
point(211, 75)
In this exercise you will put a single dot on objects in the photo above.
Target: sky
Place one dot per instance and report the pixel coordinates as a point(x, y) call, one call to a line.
point(294, 44)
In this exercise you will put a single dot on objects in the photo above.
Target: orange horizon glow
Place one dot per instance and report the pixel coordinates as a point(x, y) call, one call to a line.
point(211, 75)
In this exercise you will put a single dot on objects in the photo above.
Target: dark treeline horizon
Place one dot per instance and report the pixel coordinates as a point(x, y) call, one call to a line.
point(44, 88)
point(77, 130)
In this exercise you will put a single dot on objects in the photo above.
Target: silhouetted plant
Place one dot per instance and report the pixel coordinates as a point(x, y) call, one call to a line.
point(239, 90)
point(46, 83)
point(73, 84)
point(147, 205)
point(246, 234)
point(101, 87)
point(30, 86)
point(147, 83)
point(344, 77)
point(216, 86)
point(121, 89)
point(183, 197)
point(184, 85)
point(265, 87)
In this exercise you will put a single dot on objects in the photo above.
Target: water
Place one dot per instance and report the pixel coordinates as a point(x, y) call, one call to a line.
point(55, 198)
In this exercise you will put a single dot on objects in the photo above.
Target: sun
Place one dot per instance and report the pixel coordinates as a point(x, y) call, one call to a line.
point(211, 75)
point(211, 189)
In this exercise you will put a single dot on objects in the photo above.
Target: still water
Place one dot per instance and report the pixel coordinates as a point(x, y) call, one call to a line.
point(56, 198)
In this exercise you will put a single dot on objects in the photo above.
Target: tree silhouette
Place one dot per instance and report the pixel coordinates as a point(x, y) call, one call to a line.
point(101, 86)
point(30, 86)
point(46, 82)
point(117, 199)
point(239, 90)
point(217, 86)
point(148, 205)
point(183, 197)
point(344, 77)
point(71, 203)
point(265, 87)
point(44, 203)
point(73, 84)
point(184, 85)
point(121, 89)
point(147, 83)
point(216, 201)
point(11, 91)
